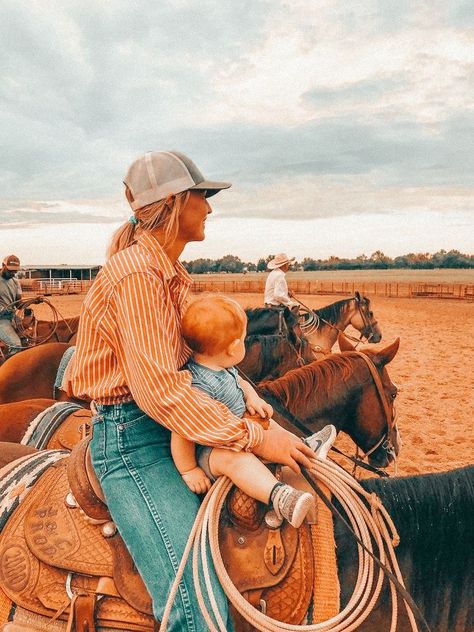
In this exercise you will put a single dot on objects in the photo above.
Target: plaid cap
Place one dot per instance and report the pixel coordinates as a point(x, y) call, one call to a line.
point(158, 174)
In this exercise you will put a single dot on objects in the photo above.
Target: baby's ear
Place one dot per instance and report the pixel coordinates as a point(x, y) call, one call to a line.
point(233, 346)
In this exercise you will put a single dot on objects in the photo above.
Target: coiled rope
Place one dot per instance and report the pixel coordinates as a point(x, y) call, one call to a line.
point(24, 332)
point(369, 520)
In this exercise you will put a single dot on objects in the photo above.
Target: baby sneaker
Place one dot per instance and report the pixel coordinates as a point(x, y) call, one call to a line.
point(291, 504)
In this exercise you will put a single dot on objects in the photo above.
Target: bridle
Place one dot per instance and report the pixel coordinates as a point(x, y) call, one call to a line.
point(368, 324)
point(390, 415)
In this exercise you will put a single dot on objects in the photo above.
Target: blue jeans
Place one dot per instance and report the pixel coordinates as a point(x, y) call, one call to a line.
point(9, 336)
point(152, 507)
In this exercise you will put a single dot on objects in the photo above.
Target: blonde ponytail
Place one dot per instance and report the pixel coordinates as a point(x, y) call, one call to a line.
point(162, 215)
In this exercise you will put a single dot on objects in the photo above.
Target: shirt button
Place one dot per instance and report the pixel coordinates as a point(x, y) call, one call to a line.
point(120, 426)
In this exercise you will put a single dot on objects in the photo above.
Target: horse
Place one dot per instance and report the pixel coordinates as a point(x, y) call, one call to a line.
point(351, 390)
point(268, 355)
point(338, 390)
point(322, 326)
point(433, 514)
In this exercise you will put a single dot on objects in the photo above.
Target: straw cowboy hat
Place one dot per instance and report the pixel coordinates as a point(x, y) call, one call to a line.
point(280, 260)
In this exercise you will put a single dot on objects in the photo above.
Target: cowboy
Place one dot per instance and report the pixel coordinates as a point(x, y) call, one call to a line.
point(10, 295)
point(276, 288)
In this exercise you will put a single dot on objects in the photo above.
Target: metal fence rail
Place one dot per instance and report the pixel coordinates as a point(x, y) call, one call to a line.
point(388, 289)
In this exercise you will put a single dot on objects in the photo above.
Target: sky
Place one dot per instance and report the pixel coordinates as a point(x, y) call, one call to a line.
point(344, 127)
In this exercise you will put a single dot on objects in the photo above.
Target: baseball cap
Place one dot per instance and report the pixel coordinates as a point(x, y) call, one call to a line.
point(11, 262)
point(157, 174)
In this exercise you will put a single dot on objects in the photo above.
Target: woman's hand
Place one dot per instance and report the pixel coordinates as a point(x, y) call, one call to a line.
point(197, 481)
point(258, 406)
point(281, 446)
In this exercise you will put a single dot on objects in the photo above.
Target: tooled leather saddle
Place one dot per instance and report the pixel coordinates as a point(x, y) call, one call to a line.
point(61, 556)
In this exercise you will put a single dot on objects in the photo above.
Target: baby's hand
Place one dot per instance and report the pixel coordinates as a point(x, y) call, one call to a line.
point(196, 480)
point(258, 406)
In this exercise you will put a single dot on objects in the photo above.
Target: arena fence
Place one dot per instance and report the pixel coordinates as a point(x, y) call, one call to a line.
point(49, 287)
point(395, 290)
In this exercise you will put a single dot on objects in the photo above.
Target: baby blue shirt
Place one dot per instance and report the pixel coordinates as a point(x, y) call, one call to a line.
point(221, 385)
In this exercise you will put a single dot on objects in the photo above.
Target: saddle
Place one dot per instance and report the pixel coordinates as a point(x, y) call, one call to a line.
point(61, 556)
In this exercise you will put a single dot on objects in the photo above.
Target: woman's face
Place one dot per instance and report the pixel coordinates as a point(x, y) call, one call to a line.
point(193, 217)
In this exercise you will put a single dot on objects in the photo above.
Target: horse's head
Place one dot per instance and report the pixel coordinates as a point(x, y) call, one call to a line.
point(377, 432)
point(363, 319)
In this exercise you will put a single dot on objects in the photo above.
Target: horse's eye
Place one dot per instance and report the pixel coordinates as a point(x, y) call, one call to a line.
point(371, 314)
point(393, 395)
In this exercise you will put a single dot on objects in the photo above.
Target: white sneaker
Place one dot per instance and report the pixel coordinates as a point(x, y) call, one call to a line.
point(292, 504)
point(322, 441)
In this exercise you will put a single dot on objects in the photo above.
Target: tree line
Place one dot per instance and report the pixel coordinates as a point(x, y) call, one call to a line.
point(376, 261)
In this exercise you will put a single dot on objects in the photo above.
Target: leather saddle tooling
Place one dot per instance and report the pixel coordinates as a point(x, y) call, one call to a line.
point(61, 555)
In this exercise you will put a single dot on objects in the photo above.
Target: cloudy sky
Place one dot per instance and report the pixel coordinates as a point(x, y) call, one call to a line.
point(345, 127)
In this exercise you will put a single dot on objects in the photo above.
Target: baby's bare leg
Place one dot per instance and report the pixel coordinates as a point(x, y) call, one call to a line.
point(245, 470)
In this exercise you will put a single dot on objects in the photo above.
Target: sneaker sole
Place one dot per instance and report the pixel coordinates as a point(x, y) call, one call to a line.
point(303, 505)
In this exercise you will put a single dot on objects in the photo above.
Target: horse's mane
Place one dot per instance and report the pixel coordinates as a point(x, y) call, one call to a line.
point(322, 375)
point(434, 513)
point(331, 312)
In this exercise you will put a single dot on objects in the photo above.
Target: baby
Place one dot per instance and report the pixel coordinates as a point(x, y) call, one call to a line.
point(214, 327)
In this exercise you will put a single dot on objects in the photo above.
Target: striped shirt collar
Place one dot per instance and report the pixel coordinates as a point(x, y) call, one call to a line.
point(153, 246)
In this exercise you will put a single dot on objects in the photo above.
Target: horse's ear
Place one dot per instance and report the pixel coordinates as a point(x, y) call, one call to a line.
point(384, 356)
point(344, 343)
point(357, 296)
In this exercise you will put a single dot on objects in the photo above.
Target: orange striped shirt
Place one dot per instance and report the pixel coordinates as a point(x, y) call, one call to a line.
point(130, 347)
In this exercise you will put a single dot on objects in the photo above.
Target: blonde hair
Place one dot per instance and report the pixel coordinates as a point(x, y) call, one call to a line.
point(163, 215)
point(212, 322)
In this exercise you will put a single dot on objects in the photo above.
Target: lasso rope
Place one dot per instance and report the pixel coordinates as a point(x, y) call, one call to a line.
point(24, 332)
point(367, 517)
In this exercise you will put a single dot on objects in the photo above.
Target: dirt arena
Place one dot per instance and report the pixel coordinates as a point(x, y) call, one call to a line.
point(433, 370)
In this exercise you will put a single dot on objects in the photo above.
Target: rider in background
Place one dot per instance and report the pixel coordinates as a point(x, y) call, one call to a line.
point(276, 287)
point(10, 293)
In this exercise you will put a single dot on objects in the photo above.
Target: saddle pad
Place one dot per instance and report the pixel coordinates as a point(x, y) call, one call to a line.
point(19, 479)
point(63, 366)
point(45, 424)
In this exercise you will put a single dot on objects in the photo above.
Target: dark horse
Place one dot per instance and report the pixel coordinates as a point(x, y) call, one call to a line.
point(32, 373)
point(339, 389)
point(434, 518)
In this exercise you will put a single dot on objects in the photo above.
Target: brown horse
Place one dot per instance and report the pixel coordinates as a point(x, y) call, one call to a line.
point(32, 373)
point(432, 513)
point(322, 326)
point(64, 330)
point(339, 389)
point(351, 390)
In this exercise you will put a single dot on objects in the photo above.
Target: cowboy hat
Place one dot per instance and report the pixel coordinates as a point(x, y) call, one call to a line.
point(280, 260)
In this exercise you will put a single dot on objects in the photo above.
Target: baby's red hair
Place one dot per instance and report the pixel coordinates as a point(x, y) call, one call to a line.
point(212, 322)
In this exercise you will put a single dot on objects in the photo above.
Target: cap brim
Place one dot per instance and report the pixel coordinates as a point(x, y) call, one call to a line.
point(210, 187)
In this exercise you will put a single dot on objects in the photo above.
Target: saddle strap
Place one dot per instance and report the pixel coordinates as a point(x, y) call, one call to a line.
point(81, 617)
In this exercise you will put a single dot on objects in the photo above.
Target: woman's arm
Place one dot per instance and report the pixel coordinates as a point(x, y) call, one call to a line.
point(143, 335)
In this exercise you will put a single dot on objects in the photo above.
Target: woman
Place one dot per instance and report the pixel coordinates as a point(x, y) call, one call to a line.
point(129, 352)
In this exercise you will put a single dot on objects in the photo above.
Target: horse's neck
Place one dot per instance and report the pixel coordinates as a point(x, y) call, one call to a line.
point(324, 338)
point(320, 406)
